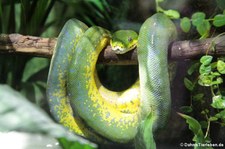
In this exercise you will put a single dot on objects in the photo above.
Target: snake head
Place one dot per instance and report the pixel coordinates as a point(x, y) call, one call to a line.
point(123, 41)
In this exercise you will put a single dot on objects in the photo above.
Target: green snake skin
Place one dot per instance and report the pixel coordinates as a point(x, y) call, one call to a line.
point(154, 38)
point(81, 103)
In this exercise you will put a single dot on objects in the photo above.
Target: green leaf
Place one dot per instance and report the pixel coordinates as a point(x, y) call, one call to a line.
point(66, 144)
point(145, 140)
point(98, 3)
point(33, 66)
point(221, 115)
point(195, 127)
point(185, 24)
point(33, 15)
point(197, 18)
point(204, 28)
point(215, 74)
point(212, 118)
point(35, 92)
point(214, 65)
point(205, 112)
point(218, 102)
point(204, 69)
point(173, 14)
point(221, 67)
point(188, 84)
point(194, 67)
point(18, 114)
point(186, 109)
point(205, 80)
point(218, 80)
point(198, 97)
point(38, 16)
point(219, 20)
point(206, 59)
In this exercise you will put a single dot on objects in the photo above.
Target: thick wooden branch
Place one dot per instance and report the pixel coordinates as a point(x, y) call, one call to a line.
point(43, 47)
point(31, 45)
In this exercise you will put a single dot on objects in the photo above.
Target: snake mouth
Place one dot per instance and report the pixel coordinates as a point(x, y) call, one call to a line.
point(119, 50)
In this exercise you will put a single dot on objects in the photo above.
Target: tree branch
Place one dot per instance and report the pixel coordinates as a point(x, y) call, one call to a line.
point(43, 47)
point(31, 45)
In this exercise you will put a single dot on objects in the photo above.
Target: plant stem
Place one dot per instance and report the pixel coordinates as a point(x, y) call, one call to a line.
point(207, 130)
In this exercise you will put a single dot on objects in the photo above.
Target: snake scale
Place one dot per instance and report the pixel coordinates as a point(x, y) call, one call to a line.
point(81, 103)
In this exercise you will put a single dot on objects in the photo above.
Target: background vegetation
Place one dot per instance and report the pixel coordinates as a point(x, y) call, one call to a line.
point(193, 91)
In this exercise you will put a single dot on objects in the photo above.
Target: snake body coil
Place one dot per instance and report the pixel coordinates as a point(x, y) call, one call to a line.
point(79, 101)
point(155, 36)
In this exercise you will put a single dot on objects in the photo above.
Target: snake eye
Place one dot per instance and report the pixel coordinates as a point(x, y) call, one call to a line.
point(130, 39)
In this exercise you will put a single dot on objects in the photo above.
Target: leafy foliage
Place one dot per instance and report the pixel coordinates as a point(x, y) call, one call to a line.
point(15, 116)
point(196, 128)
point(203, 25)
point(210, 75)
point(219, 20)
point(173, 14)
point(185, 24)
point(205, 80)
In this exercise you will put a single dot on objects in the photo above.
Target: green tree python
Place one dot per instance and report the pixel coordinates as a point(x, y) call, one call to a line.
point(81, 103)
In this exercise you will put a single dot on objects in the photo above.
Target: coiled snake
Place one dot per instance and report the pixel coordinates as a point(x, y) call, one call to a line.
point(80, 102)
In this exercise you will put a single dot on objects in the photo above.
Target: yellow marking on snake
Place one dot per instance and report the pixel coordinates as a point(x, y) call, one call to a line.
point(79, 101)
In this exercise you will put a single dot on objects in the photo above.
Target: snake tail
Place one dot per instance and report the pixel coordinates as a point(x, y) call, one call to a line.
point(155, 35)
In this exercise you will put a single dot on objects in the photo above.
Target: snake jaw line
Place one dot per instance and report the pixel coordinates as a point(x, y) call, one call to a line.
point(122, 50)
point(119, 49)
point(123, 41)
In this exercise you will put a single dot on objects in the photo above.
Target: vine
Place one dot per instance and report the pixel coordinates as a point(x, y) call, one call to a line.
point(209, 75)
point(202, 25)
point(205, 78)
